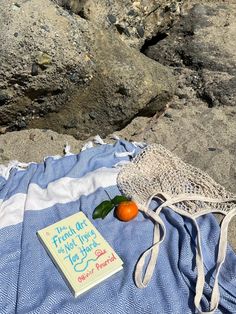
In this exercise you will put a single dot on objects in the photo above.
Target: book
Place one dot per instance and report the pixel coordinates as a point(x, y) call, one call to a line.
point(83, 257)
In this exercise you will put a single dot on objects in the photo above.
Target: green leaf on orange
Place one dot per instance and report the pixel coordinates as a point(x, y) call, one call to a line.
point(103, 209)
point(118, 199)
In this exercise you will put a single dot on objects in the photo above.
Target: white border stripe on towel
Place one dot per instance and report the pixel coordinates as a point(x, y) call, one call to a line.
point(63, 190)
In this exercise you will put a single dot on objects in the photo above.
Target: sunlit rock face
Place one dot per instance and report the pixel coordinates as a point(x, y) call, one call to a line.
point(73, 73)
point(202, 47)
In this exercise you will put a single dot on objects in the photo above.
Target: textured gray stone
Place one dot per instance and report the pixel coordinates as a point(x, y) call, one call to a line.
point(204, 41)
point(133, 21)
point(75, 77)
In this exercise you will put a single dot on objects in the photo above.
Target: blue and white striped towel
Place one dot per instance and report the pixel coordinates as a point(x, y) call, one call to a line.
point(44, 193)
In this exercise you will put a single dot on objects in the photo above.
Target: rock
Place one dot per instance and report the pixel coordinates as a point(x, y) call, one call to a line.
point(74, 6)
point(3, 130)
point(140, 31)
point(34, 69)
point(43, 59)
point(5, 96)
point(204, 42)
point(111, 18)
point(168, 115)
point(16, 6)
point(82, 69)
point(132, 17)
point(122, 30)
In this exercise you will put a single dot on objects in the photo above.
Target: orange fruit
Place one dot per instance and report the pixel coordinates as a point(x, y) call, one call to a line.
point(126, 210)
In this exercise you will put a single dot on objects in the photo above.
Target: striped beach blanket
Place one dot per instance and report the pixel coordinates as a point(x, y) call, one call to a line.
point(44, 193)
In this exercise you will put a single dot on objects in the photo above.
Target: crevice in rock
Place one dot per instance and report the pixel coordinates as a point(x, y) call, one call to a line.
point(20, 79)
point(73, 6)
point(206, 98)
point(41, 93)
point(122, 91)
point(122, 30)
point(153, 41)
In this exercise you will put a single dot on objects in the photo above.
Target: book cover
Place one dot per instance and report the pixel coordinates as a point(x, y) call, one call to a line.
point(79, 251)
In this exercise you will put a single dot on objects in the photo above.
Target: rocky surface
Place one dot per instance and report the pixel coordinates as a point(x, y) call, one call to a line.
point(135, 22)
point(62, 72)
point(202, 46)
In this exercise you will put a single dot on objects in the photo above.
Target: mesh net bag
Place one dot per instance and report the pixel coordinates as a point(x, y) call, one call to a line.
point(157, 173)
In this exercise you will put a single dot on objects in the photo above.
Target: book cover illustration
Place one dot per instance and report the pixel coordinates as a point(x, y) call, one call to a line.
point(82, 255)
